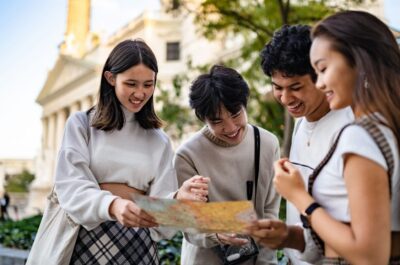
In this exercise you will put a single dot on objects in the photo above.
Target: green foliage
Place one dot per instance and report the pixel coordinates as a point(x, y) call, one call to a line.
point(282, 210)
point(174, 106)
point(169, 251)
point(20, 182)
point(19, 234)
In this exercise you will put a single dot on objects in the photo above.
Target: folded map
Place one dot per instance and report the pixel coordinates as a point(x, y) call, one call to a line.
point(199, 217)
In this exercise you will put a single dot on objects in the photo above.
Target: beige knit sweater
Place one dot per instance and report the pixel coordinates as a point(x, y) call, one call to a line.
point(229, 167)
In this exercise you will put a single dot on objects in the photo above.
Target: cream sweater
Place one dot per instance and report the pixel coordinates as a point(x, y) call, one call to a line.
point(140, 158)
point(229, 167)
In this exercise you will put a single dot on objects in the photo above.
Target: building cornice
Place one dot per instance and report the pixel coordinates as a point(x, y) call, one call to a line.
point(89, 69)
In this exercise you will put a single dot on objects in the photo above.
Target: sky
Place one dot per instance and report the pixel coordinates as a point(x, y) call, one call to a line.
point(30, 33)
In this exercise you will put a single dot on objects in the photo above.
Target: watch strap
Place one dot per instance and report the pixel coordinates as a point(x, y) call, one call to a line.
point(309, 210)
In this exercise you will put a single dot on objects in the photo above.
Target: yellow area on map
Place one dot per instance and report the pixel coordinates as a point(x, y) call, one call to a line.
point(201, 217)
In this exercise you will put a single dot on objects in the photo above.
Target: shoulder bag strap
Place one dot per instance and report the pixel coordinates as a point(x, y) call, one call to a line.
point(372, 128)
point(324, 161)
point(256, 160)
point(317, 240)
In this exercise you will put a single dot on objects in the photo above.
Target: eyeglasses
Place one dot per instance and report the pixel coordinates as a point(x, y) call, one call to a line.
point(302, 165)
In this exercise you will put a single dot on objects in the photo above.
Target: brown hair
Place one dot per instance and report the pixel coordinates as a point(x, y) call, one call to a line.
point(370, 47)
point(108, 114)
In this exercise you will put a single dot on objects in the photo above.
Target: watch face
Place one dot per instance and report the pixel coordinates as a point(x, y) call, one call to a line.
point(304, 220)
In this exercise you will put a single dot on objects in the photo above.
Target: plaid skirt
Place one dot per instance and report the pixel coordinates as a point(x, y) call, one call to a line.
point(113, 243)
point(341, 261)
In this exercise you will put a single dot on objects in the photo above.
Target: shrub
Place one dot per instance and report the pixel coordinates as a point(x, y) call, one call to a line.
point(169, 251)
point(19, 234)
point(20, 182)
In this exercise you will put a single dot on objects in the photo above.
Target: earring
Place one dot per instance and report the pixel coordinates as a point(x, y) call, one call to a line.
point(366, 83)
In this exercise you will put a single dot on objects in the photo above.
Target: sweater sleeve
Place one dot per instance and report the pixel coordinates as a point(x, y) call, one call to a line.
point(164, 185)
point(165, 182)
point(273, 199)
point(77, 188)
point(185, 169)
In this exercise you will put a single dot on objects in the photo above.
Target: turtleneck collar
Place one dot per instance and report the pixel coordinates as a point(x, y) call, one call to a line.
point(208, 134)
point(129, 116)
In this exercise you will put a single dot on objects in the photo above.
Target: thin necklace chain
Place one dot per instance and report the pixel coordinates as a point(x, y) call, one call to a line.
point(310, 128)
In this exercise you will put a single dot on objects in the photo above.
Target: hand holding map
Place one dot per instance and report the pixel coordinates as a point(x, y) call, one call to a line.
point(199, 217)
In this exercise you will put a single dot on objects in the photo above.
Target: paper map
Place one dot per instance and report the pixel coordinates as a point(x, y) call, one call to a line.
point(199, 217)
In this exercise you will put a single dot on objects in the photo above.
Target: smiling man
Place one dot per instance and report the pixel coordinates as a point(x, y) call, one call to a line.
point(285, 59)
point(223, 150)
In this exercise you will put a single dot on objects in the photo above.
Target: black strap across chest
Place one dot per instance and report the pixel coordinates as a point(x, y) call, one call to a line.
point(256, 167)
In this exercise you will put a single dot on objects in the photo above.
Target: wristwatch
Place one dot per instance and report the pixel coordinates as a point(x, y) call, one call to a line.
point(307, 213)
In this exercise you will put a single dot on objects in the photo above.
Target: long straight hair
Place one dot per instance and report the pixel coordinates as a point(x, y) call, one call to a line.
point(108, 113)
point(370, 47)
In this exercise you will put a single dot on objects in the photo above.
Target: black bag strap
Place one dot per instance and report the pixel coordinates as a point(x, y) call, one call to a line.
point(373, 130)
point(325, 160)
point(256, 167)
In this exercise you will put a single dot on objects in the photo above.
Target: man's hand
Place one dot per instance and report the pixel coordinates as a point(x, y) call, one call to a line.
point(270, 233)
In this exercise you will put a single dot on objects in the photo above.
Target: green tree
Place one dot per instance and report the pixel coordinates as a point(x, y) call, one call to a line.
point(254, 22)
point(20, 182)
point(174, 106)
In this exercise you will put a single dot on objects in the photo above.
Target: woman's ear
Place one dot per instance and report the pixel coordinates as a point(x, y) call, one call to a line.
point(110, 77)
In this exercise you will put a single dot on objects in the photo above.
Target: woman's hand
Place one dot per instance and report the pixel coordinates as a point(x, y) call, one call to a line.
point(194, 189)
point(130, 215)
point(288, 181)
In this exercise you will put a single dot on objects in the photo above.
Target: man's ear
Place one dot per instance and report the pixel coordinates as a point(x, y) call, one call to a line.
point(110, 77)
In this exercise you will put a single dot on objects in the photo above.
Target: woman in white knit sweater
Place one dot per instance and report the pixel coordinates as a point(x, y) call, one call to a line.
point(112, 151)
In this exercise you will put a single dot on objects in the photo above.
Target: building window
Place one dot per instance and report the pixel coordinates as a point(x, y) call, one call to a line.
point(173, 51)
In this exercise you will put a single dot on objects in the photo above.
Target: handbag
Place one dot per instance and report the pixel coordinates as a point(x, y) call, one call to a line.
point(56, 237)
point(231, 254)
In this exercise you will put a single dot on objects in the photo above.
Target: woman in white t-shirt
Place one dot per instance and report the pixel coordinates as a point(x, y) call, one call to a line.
point(354, 207)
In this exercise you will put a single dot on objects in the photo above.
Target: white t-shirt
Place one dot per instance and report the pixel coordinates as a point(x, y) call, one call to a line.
point(330, 188)
point(320, 135)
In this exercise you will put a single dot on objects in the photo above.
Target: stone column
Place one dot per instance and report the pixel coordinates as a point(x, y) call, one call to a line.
point(94, 99)
point(74, 108)
point(41, 186)
point(86, 103)
point(50, 150)
point(45, 123)
point(59, 130)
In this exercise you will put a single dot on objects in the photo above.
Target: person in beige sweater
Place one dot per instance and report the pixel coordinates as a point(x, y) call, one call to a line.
point(223, 150)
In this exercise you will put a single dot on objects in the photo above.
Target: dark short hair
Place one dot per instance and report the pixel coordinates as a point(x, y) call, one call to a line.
point(288, 52)
point(222, 85)
point(108, 112)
